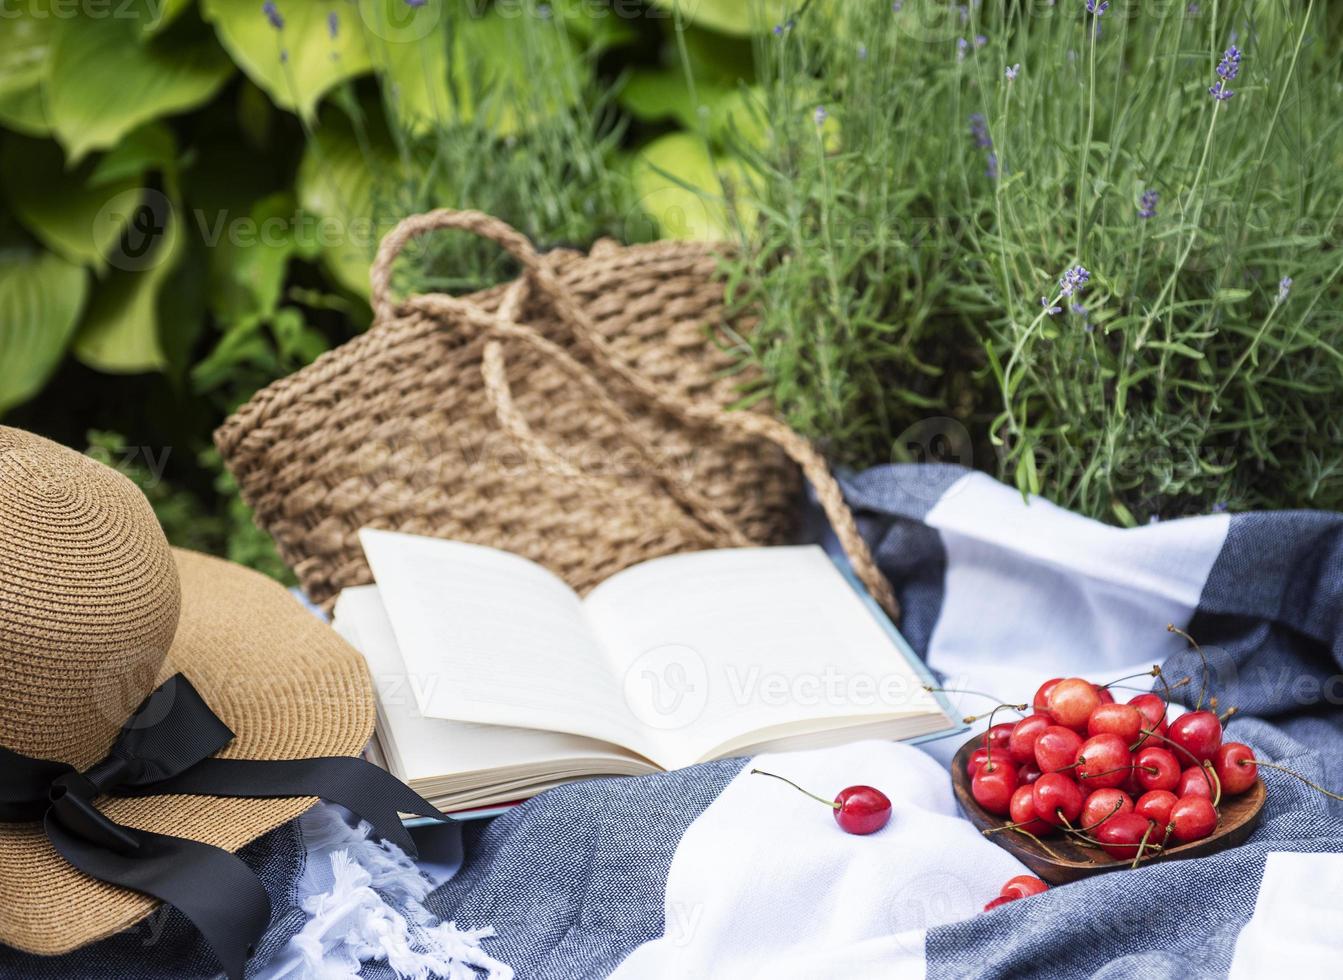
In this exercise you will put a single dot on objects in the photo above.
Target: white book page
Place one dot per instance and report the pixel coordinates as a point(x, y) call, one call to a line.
point(420, 748)
point(494, 638)
point(716, 645)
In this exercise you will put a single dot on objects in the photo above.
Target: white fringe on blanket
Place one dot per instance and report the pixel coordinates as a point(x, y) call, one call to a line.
point(342, 889)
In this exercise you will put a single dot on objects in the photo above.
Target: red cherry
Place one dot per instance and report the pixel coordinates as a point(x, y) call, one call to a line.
point(1199, 733)
point(1123, 720)
point(1103, 761)
point(1024, 734)
point(1234, 762)
point(857, 809)
point(993, 786)
point(1104, 694)
point(1024, 886)
point(999, 735)
point(1041, 700)
point(1000, 900)
point(1122, 836)
point(1021, 811)
point(981, 754)
point(1157, 768)
point(1055, 794)
point(862, 810)
point(1056, 748)
point(1192, 818)
point(1028, 772)
point(1071, 702)
point(1153, 710)
point(1155, 806)
point(1103, 805)
point(1194, 781)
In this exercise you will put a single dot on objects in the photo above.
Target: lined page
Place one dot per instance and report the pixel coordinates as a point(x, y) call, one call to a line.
point(716, 645)
point(489, 637)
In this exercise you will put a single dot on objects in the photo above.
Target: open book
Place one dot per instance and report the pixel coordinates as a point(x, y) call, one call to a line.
point(495, 680)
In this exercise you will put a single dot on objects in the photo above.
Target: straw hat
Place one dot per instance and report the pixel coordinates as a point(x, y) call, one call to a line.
point(95, 610)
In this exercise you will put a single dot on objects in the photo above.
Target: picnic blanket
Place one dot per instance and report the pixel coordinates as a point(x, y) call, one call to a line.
point(711, 872)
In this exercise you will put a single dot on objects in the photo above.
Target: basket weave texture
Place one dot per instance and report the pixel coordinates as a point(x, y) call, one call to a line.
point(576, 416)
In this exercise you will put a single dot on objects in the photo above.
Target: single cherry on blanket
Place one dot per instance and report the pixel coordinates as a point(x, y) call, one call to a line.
point(858, 809)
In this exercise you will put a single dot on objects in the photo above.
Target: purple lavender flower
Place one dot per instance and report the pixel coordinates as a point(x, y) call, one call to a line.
point(896, 5)
point(991, 166)
point(1074, 280)
point(333, 24)
point(272, 13)
point(416, 3)
point(1050, 310)
point(1192, 9)
point(1227, 69)
point(862, 52)
point(1284, 288)
point(962, 46)
point(1147, 204)
point(980, 40)
point(1011, 72)
point(1220, 507)
point(979, 129)
point(1098, 8)
point(820, 115)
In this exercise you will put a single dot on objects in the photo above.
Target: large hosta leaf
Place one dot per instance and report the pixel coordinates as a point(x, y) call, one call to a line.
point(120, 332)
point(684, 191)
point(336, 182)
point(738, 17)
point(105, 81)
point(298, 63)
point(69, 216)
point(41, 295)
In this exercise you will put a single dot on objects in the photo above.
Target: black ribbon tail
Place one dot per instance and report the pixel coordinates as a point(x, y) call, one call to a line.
point(214, 889)
point(361, 787)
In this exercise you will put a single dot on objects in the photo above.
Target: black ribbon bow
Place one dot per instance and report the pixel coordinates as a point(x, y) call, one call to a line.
point(165, 748)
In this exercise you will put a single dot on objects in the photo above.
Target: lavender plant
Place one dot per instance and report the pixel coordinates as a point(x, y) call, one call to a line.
point(1190, 359)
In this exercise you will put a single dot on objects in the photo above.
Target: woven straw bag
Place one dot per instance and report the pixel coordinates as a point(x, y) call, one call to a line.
point(600, 439)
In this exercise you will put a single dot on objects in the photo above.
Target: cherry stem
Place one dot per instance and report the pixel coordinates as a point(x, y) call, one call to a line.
point(1203, 691)
point(1211, 771)
point(1142, 845)
point(830, 803)
point(989, 765)
point(1043, 846)
point(1227, 714)
point(1154, 672)
point(962, 690)
point(1117, 807)
point(1314, 786)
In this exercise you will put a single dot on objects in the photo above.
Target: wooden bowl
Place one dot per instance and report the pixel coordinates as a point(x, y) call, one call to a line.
point(1238, 816)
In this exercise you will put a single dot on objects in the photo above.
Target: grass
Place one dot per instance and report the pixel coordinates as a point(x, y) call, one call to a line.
point(899, 268)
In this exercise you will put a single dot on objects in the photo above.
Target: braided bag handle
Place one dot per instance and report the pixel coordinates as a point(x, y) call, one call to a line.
point(501, 324)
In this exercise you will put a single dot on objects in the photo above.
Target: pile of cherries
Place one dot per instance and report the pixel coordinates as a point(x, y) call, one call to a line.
point(1118, 776)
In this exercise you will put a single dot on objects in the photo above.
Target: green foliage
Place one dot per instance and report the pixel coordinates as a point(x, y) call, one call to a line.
point(192, 197)
point(899, 278)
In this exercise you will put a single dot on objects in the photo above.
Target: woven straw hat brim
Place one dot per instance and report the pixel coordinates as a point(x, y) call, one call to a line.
point(286, 685)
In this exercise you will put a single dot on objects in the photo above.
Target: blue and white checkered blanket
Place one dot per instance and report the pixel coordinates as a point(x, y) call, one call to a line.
point(708, 872)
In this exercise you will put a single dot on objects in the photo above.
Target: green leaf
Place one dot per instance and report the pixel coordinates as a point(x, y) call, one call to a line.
point(80, 222)
point(41, 295)
point(151, 147)
point(677, 184)
point(312, 63)
point(1231, 295)
point(105, 81)
point(25, 53)
point(336, 183)
point(24, 111)
point(120, 332)
point(248, 262)
point(738, 17)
